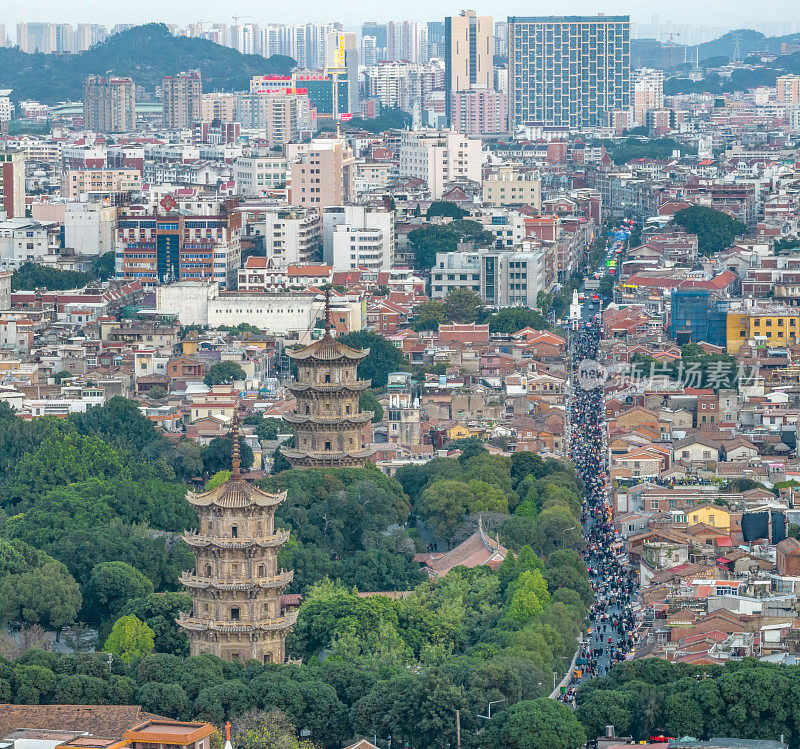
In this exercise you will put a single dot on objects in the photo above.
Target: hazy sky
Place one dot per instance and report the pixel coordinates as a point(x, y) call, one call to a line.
point(729, 13)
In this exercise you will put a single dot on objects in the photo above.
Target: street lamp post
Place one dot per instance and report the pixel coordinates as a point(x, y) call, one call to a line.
point(574, 528)
point(489, 715)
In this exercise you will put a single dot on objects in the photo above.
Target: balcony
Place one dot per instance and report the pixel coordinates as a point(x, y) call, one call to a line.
point(198, 540)
point(280, 580)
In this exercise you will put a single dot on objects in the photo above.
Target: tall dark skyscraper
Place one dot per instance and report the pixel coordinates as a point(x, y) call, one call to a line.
point(569, 71)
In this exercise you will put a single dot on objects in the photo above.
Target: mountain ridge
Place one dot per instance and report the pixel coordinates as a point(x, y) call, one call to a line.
point(145, 53)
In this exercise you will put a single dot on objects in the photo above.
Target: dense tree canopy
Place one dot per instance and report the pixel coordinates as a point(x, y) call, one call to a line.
point(715, 230)
point(31, 276)
point(384, 357)
point(224, 372)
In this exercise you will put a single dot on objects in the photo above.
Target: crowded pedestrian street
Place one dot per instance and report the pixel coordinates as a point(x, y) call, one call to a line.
point(610, 635)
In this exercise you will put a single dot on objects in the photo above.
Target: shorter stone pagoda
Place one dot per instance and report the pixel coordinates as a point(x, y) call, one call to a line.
point(329, 429)
point(236, 586)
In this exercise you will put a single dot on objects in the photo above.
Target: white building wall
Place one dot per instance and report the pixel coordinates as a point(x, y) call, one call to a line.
point(89, 228)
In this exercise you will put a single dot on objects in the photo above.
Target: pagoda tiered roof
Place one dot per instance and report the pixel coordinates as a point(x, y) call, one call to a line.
point(328, 349)
point(236, 493)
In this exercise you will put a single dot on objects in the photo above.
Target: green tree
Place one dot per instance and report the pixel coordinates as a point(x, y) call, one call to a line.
point(384, 357)
point(429, 315)
point(463, 305)
point(224, 372)
point(429, 240)
point(164, 699)
point(511, 319)
point(261, 729)
point(368, 401)
point(159, 612)
point(79, 689)
point(528, 596)
point(444, 504)
point(111, 585)
point(444, 208)
point(31, 276)
point(535, 724)
point(715, 230)
point(157, 393)
point(46, 595)
point(417, 709)
point(130, 639)
point(103, 265)
point(218, 455)
point(604, 708)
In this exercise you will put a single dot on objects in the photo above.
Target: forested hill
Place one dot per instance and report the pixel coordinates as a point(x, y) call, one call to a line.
point(145, 53)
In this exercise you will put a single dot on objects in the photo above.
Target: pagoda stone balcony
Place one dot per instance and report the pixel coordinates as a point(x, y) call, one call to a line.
point(193, 538)
point(199, 624)
point(280, 580)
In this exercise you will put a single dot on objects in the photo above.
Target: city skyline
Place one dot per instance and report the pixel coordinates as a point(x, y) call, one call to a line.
point(772, 17)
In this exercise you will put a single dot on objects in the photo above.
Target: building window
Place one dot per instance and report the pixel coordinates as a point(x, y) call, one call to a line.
point(261, 570)
point(235, 614)
point(234, 531)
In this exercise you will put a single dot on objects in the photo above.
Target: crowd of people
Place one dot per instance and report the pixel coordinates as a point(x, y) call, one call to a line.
point(611, 634)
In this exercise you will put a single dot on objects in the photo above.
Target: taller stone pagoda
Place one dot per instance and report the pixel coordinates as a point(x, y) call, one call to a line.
point(236, 586)
point(329, 429)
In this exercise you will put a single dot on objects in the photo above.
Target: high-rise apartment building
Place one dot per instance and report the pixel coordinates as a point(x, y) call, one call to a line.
point(648, 93)
point(357, 236)
point(83, 37)
point(284, 115)
point(109, 104)
point(154, 249)
point(342, 54)
point(379, 32)
point(246, 38)
point(468, 54)
point(12, 183)
point(479, 112)
point(404, 40)
point(369, 50)
point(321, 173)
point(218, 106)
point(183, 96)
point(36, 37)
point(328, 91)
point(569, 71)
point(440, 157)
point(65, 38)
point(436, 39)
point(6, 109)
point(789, 89)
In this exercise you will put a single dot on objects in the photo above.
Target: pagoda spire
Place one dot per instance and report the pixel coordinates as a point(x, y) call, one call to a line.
point(236, 463)
point(327, 310)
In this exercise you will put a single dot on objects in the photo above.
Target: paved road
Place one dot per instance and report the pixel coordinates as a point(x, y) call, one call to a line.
point(612, 585)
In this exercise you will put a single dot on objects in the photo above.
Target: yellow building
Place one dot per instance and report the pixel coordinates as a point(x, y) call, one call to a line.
point(713, 515)
point(774, 326)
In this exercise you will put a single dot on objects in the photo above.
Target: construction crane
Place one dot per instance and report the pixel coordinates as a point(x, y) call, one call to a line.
point(672, 37)
point(237, 17)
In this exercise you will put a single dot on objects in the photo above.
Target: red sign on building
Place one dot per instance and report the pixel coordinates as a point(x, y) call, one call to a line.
point(168, 203)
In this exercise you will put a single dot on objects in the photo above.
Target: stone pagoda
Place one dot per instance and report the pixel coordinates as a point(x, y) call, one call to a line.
point(329, 429)
point(236, 586)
